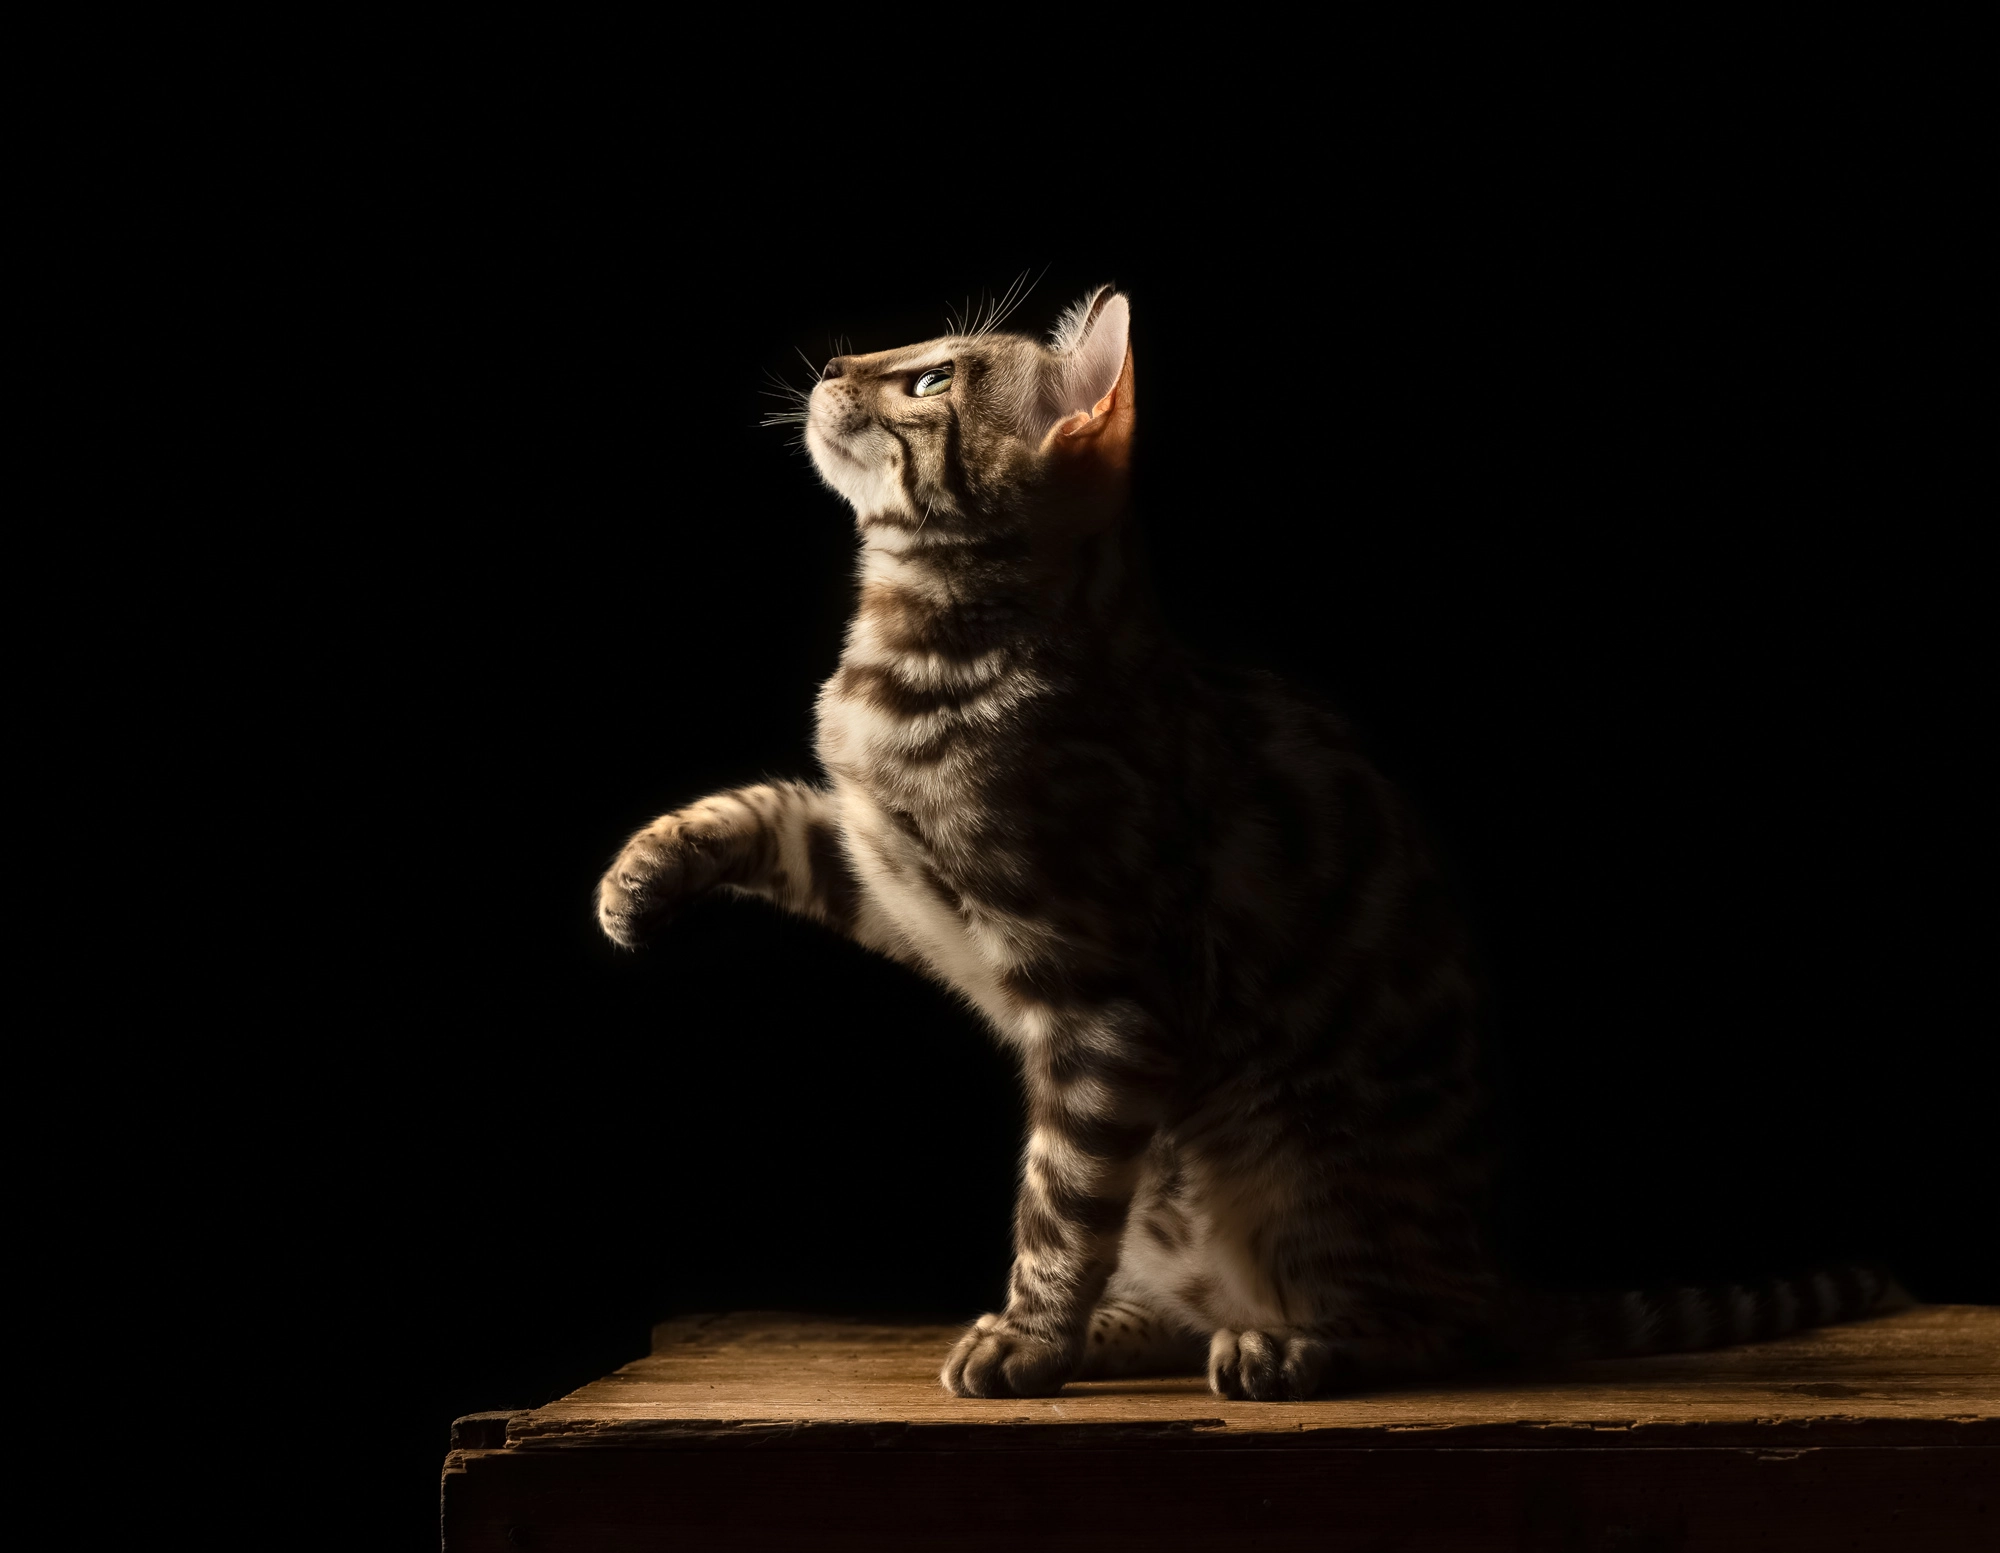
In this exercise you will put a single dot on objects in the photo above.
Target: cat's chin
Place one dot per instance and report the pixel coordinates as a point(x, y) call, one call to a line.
point(864, 486)
point(827, 450)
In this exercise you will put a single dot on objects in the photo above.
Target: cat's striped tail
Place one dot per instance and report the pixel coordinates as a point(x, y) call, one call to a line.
point(1602, 1326)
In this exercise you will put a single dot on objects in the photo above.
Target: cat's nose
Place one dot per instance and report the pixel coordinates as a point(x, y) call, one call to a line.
point(833, 369)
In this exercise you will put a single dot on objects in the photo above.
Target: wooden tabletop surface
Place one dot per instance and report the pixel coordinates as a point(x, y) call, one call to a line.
point(1928, 1376)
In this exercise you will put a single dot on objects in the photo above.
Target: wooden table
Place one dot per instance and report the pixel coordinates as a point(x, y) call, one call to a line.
point(764, 1430)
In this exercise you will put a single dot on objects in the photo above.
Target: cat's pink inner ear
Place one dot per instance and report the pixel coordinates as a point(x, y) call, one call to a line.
point(1093, 340)
point(1083, 418)
point(1102, 435)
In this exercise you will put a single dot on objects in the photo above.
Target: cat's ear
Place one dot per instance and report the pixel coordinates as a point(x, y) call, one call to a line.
point(1087, 394)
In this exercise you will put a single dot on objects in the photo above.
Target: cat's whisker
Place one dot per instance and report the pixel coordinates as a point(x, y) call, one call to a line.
point(983, 324)
point(994, 312)
point(778, 388)
point(1009, 306)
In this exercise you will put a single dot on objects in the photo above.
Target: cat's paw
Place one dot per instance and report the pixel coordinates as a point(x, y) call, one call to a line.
point(639, 891)
point(997, 1359)
point(1265, 1366)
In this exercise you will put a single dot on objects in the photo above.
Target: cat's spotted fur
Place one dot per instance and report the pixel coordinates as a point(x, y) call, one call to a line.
point(1206, 926)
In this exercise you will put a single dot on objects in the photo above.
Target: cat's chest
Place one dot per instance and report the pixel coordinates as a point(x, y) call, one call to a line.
point(935, 830)
point(922, 763)
point(910, 881)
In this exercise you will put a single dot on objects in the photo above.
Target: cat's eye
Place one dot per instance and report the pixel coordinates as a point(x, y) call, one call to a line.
point(935, 381)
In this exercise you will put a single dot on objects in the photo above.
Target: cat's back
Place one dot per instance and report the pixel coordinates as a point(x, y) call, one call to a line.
point(1310, 841)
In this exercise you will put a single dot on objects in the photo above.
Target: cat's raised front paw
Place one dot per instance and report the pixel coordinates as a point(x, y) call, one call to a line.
point(1265, 1366)
point(639, 891)
point(996, 1359)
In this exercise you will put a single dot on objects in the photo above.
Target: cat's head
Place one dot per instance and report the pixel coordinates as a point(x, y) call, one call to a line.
point(978, 434)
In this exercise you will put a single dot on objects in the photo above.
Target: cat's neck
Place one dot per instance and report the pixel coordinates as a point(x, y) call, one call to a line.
point(966, 599)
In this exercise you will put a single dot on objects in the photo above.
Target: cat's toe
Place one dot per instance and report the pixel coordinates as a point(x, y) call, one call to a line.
point(621, 912)
point(1303, 1370)
point(1259, 1361)
point(1222, 1365)
point(1243, 1366)
point(995, 1359)
point(1262, 1367)
point(636, 896)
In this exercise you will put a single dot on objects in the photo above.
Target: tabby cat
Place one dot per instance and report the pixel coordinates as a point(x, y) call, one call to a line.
point(1209, 930)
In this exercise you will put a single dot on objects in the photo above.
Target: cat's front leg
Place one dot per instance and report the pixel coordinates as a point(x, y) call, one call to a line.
point(777, 840)
point(1096, 1089)
point(1266, 1366)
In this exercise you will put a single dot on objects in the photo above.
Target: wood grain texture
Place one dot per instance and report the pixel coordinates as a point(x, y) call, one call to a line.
point(1924, 1376)
point(778, 1431)
point(1701, 1500)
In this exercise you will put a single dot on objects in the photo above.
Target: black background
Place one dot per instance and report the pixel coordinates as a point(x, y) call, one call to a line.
point(1602, 473)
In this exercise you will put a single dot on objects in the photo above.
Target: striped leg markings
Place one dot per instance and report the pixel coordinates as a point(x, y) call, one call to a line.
point(1096, 1087)
point(777, 840)
point(1129, 1337)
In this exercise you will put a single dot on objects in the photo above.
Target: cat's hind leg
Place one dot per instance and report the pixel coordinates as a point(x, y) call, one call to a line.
point(1129, 1337)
